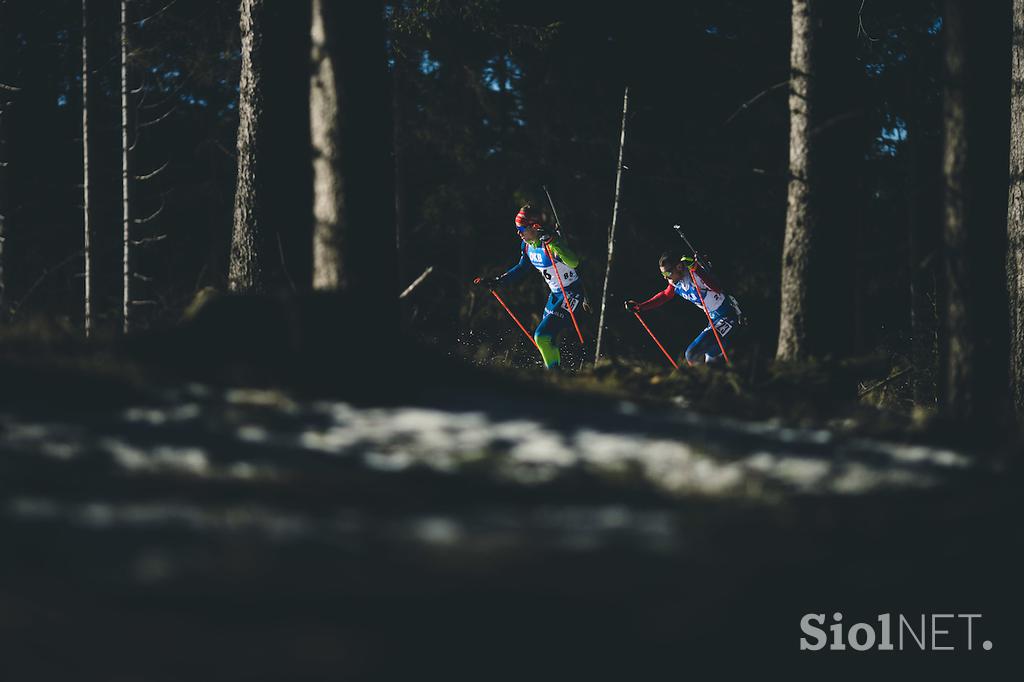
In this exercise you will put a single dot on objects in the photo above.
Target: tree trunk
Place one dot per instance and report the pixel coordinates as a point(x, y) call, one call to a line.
point(6, 91)
point(330, 230)
point(615, 218)
point(1015, 215)
point(86, 241)
point(974, 166)
point(5, 203)
point(246, 269)
point(399, 83)
point(126, 219)
point(350, 108)
point(922, 221)
point(924, 217)
point(797, 246)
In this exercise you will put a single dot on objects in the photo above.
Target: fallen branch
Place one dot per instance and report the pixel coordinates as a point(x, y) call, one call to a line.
point(883, 382)
point(416, 282)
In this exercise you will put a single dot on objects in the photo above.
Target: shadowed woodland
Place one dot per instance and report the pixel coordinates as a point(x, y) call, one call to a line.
point(259, 422)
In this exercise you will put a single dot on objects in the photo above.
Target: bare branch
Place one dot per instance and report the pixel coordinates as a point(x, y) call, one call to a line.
point(418, 281)
point(142, 278)
point(172, 95)
point(146, 124)
point(861, 31)
point(152, 216)
point(836, 120)
point(149, 176)
point(9, 88)
point(753, 99)
point(149, 240)
point(157, 13)
point(144, 302)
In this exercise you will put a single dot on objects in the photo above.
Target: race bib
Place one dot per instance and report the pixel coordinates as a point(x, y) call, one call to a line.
point(552, 271)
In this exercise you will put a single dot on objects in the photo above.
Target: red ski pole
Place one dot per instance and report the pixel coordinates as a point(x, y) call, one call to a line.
point(656, 339)
point(512, 315)
point(710, 322)
point(565, 298)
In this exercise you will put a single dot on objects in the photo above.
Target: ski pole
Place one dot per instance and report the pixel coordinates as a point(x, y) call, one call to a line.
point(554, 212)
point(558, 226)
point(561, 286)
point(710, 321)
point(511, 314)
point(696, 258)
point(656, 340)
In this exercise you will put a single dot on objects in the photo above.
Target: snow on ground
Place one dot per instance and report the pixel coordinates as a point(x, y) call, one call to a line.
point(260, 441)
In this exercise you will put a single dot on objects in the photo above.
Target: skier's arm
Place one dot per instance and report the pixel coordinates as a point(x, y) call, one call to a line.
point(516, 272)
point(659, 299)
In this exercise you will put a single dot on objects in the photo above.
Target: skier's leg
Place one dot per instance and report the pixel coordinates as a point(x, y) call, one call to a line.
point(546, 334)
point(556, 320)
point(700, 347)
point(546, 337)
point(725, 326)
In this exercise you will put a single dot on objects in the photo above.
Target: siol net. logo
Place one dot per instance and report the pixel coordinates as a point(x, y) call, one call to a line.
point(924, 632)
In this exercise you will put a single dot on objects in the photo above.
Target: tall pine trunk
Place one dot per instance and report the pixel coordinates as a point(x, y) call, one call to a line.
point(246, 269)
point(126, 216)
point(615, 220)
point(350, 111)
point(399, 83)
point(1015, 214)
point(6, 93)
point(5, 201)
point(86, 227)
point(797, 247)
point(330, 230)
point(923, 219)
point(975, 160)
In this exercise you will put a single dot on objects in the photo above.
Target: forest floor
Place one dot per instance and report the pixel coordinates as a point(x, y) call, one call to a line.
point(465, 523)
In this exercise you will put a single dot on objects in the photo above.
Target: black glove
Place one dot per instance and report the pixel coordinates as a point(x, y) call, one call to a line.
point(486, 282)
point(632, 306)
point(546, 234)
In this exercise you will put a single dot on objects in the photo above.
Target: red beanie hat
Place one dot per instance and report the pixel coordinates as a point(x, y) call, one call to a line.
point(528, 216)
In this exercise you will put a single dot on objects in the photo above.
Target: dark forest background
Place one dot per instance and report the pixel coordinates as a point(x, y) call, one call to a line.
point(276, 467)
point(491, 101)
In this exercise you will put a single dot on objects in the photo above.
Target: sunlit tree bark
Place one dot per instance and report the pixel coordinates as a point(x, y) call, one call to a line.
point(350, 112)
point(246, 270)
point(1015, 214)
point(797, 246)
